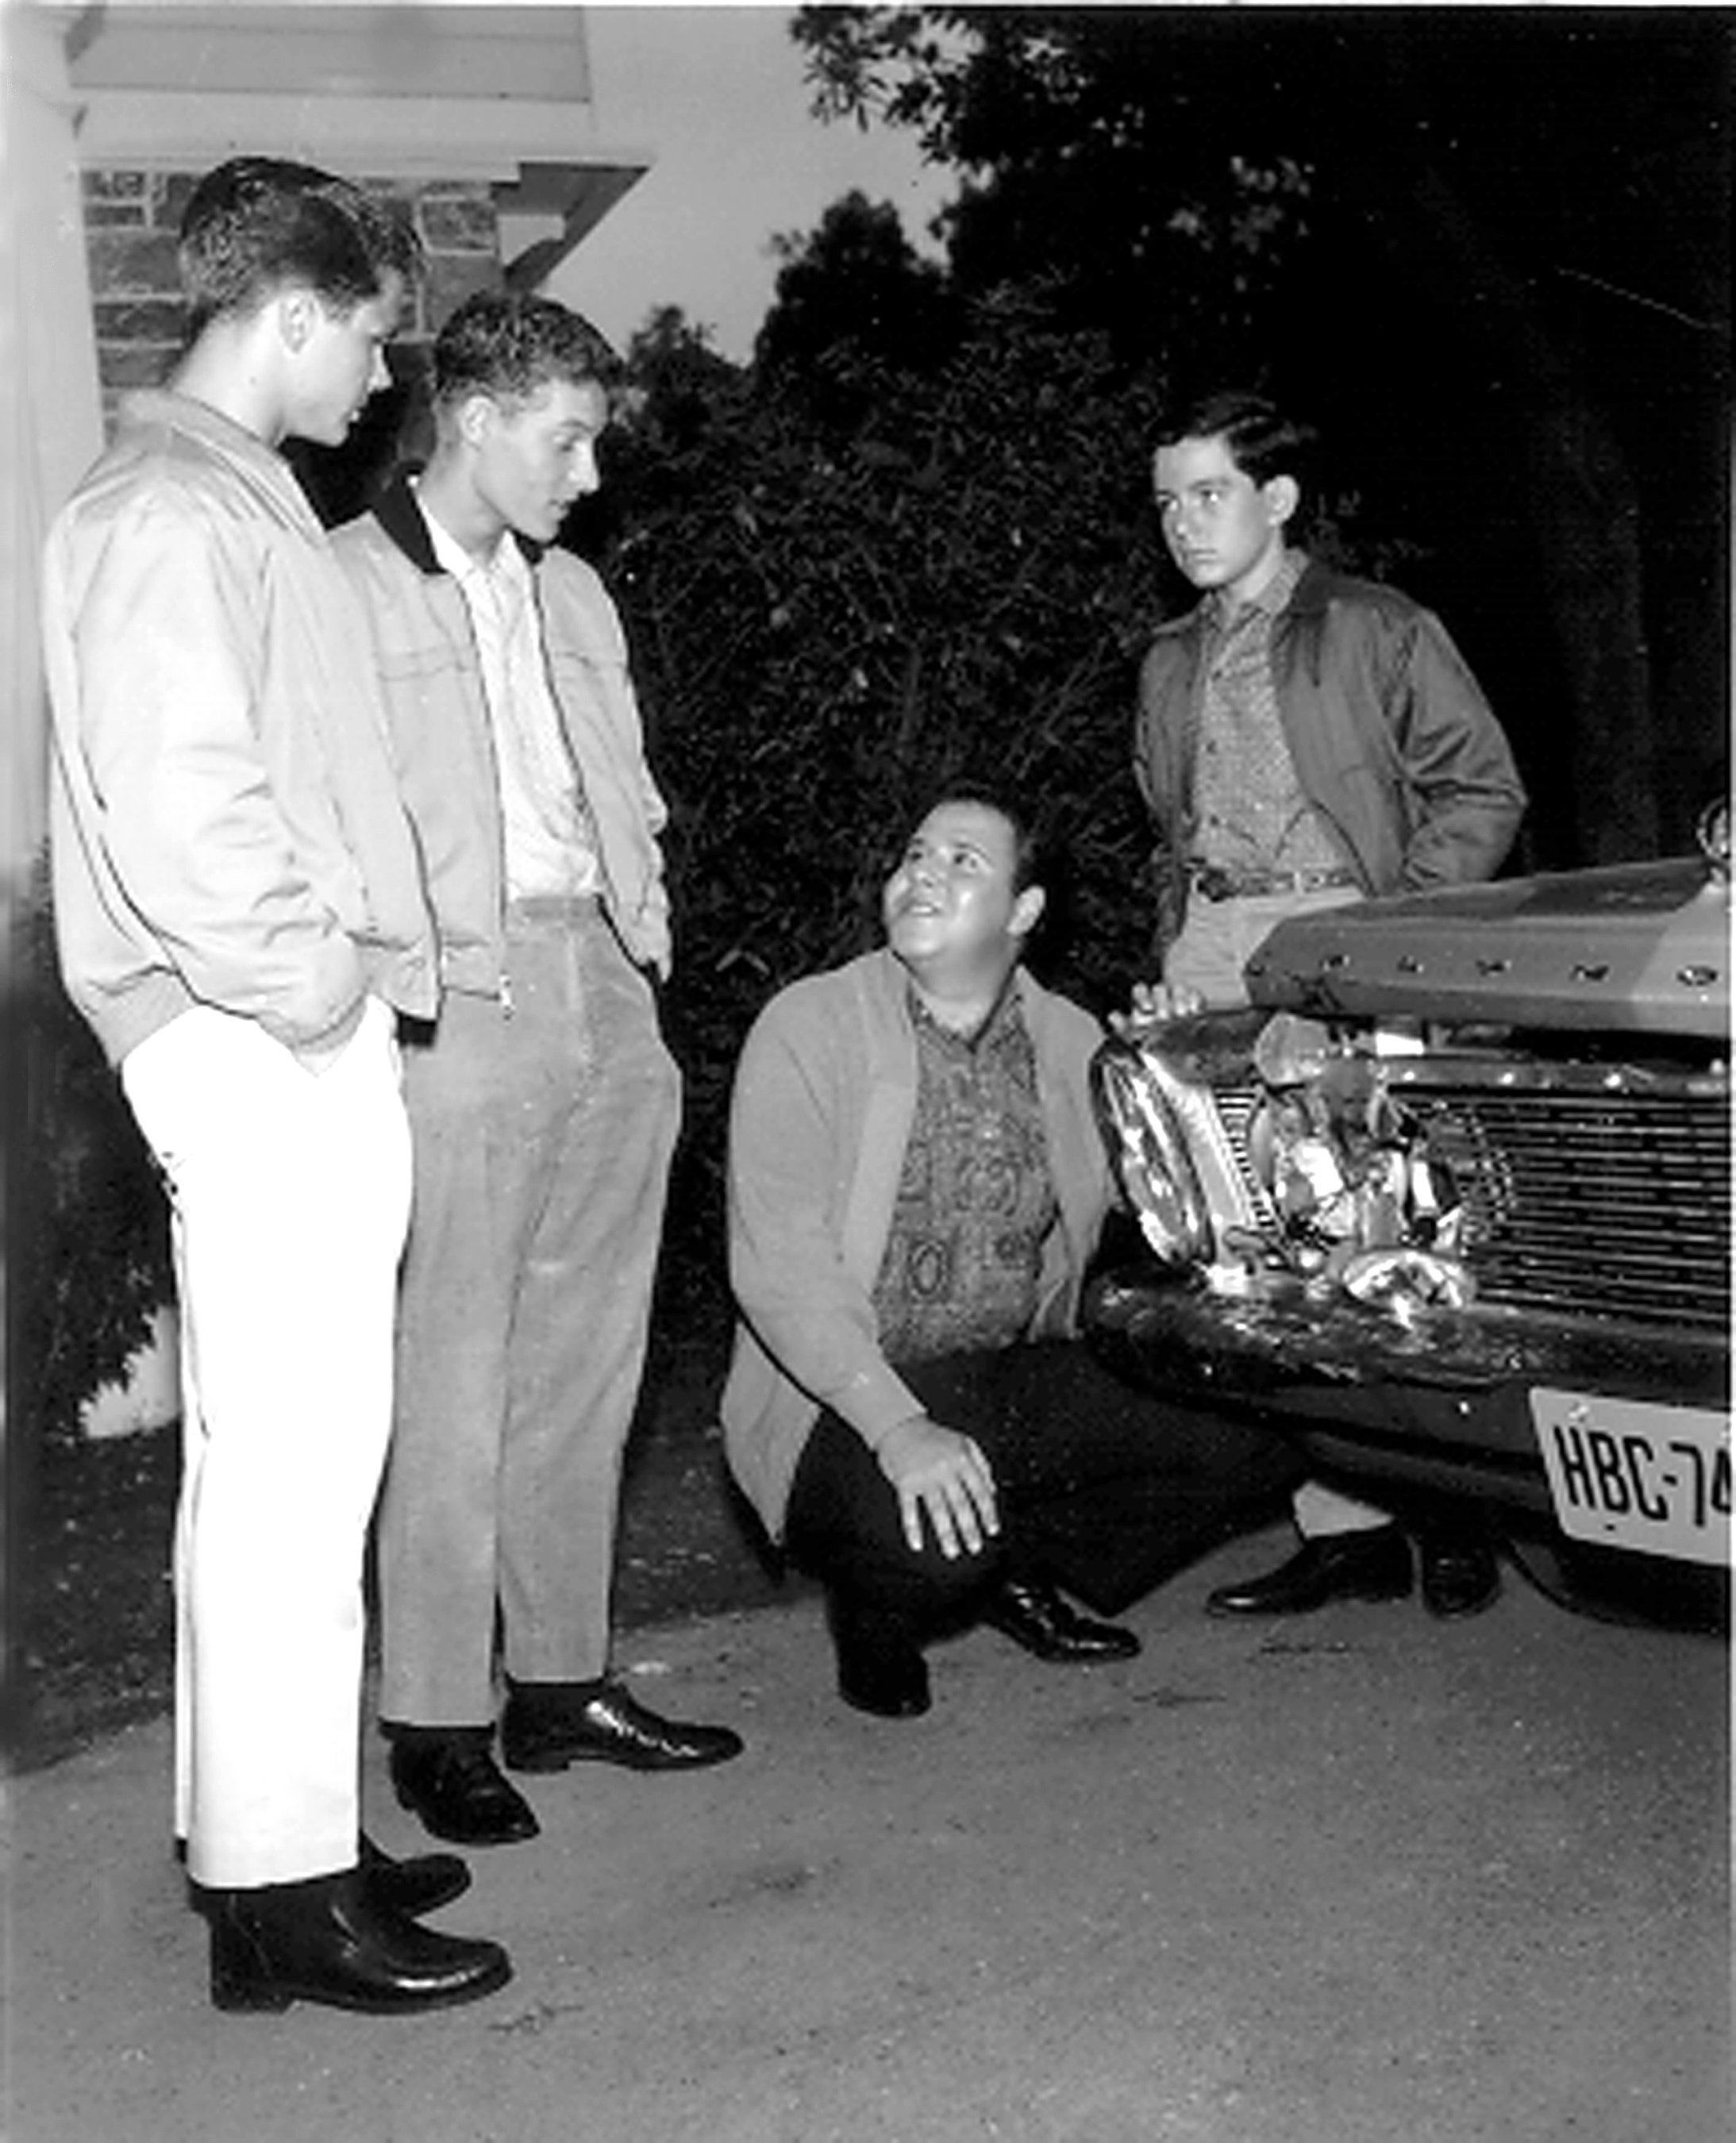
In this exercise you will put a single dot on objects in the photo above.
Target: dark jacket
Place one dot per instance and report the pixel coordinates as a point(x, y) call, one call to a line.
point(1392, 740)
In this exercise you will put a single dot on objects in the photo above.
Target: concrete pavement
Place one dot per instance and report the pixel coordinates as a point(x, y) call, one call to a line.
point(1359, 1878)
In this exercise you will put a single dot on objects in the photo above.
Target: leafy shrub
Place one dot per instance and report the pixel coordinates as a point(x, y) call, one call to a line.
point(95, 1217)
point(838, 601)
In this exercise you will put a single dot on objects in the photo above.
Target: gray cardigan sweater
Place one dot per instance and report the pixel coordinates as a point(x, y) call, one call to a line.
point(825, 1095)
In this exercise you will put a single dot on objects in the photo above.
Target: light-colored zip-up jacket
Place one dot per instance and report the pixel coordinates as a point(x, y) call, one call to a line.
point(225, 826)
point(425, 651)
point(824, 1098)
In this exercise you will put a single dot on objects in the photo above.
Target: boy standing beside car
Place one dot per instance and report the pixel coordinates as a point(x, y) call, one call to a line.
point(1303, 740)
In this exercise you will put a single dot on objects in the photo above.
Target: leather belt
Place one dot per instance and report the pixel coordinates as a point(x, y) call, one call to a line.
point(553, 911)
point(1212, 882)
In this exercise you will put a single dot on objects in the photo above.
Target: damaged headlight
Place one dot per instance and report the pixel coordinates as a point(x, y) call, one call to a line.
point(1148, 1152)
point(1259, 1148)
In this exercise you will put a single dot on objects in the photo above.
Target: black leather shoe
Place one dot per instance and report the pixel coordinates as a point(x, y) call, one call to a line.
point(326, 1940)
point(886, 1681)
point(1371, 1564)
point(449, 1777)
point(420, 1883)
point(549, 1725)
point(1460, 1574)
point(1041, 1622)
point(881, 1669)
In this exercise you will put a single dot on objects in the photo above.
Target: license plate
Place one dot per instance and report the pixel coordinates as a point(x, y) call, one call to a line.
point(1625, 1473)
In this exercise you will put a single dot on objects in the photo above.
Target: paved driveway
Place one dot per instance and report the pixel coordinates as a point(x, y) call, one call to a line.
point(1361, 1879)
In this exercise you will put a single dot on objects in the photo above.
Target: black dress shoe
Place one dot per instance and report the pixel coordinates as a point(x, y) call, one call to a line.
point(549, 1725)
point(1371, 1564)
point(326, 1940)
point(886, 1681)
point(881, 1669)
point(420, 1883)
point(449, 1777)
point(1037, 1619)
point(1460, 1573)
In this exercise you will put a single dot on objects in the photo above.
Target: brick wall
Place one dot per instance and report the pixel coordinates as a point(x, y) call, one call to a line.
point(132, 218)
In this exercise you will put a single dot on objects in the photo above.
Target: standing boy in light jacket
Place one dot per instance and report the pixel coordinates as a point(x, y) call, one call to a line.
point(240, 914)
point(543, 1103)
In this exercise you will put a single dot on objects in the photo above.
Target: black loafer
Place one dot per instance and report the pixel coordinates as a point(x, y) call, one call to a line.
point(450, 1779)
point(549, 1725)
point(1041, 1622)
point(1373, 1564)
point(1460, 1574)
point(881, 1669)
point(327, 1940)
point(887, 1681)
point(420, 1883)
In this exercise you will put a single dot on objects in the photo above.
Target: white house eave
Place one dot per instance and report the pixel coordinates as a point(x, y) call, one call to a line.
point(491, 140)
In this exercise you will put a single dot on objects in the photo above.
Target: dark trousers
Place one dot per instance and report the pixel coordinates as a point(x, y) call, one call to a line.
point(1103, 1490)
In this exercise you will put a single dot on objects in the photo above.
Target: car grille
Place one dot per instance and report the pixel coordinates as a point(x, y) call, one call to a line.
point(1614, 1205)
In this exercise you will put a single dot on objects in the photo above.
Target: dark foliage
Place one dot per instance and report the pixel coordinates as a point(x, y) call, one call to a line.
point(88, 1201)
point(838, 601)
point(848, 580)
point(853, 302)
point(1488, 249)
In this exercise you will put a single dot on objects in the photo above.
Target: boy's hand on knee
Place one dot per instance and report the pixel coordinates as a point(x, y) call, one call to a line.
point(944, 1477)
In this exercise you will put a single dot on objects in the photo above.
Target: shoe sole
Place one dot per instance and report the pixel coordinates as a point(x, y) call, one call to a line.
point(1368, 1595)
point(1457, 1610)
point(887, 1710)
point(541, 1764)
point(1059, 1658)
point(272, 1997)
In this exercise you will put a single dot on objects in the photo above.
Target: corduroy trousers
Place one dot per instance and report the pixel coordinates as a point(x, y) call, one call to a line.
point(543, 1123)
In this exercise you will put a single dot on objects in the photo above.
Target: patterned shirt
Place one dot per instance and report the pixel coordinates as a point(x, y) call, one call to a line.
point(974, 1201)
point(1249, 812)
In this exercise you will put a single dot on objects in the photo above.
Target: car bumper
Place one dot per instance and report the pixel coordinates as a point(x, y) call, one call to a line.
point(1442, 1402)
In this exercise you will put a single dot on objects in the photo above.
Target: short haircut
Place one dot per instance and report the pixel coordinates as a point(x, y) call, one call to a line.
point(1031, 856)
point(256, 225)
point(1263, 442)
point(511, 346)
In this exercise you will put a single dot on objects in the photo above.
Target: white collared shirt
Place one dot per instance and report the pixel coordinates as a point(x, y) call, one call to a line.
point(551, 841)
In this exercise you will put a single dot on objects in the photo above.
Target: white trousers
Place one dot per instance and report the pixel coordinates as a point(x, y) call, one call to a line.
point(1216, 941)
point(291, 1192)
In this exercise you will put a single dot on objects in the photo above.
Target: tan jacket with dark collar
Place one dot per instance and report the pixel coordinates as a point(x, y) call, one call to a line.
point(425, 651)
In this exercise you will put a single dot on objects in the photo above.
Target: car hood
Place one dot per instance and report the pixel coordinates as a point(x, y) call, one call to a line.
point(1629, 948)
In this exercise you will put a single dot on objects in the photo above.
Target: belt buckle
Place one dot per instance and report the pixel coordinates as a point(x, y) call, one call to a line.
point(1212, 882)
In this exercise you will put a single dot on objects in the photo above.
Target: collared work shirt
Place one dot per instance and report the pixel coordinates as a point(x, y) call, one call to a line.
point(1250, 813)
point(963, 1259)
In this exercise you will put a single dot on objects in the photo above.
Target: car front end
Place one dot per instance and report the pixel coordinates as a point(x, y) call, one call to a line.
point(1451, 1203)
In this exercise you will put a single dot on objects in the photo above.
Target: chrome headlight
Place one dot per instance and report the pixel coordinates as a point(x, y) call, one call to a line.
point(1148, 1150)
